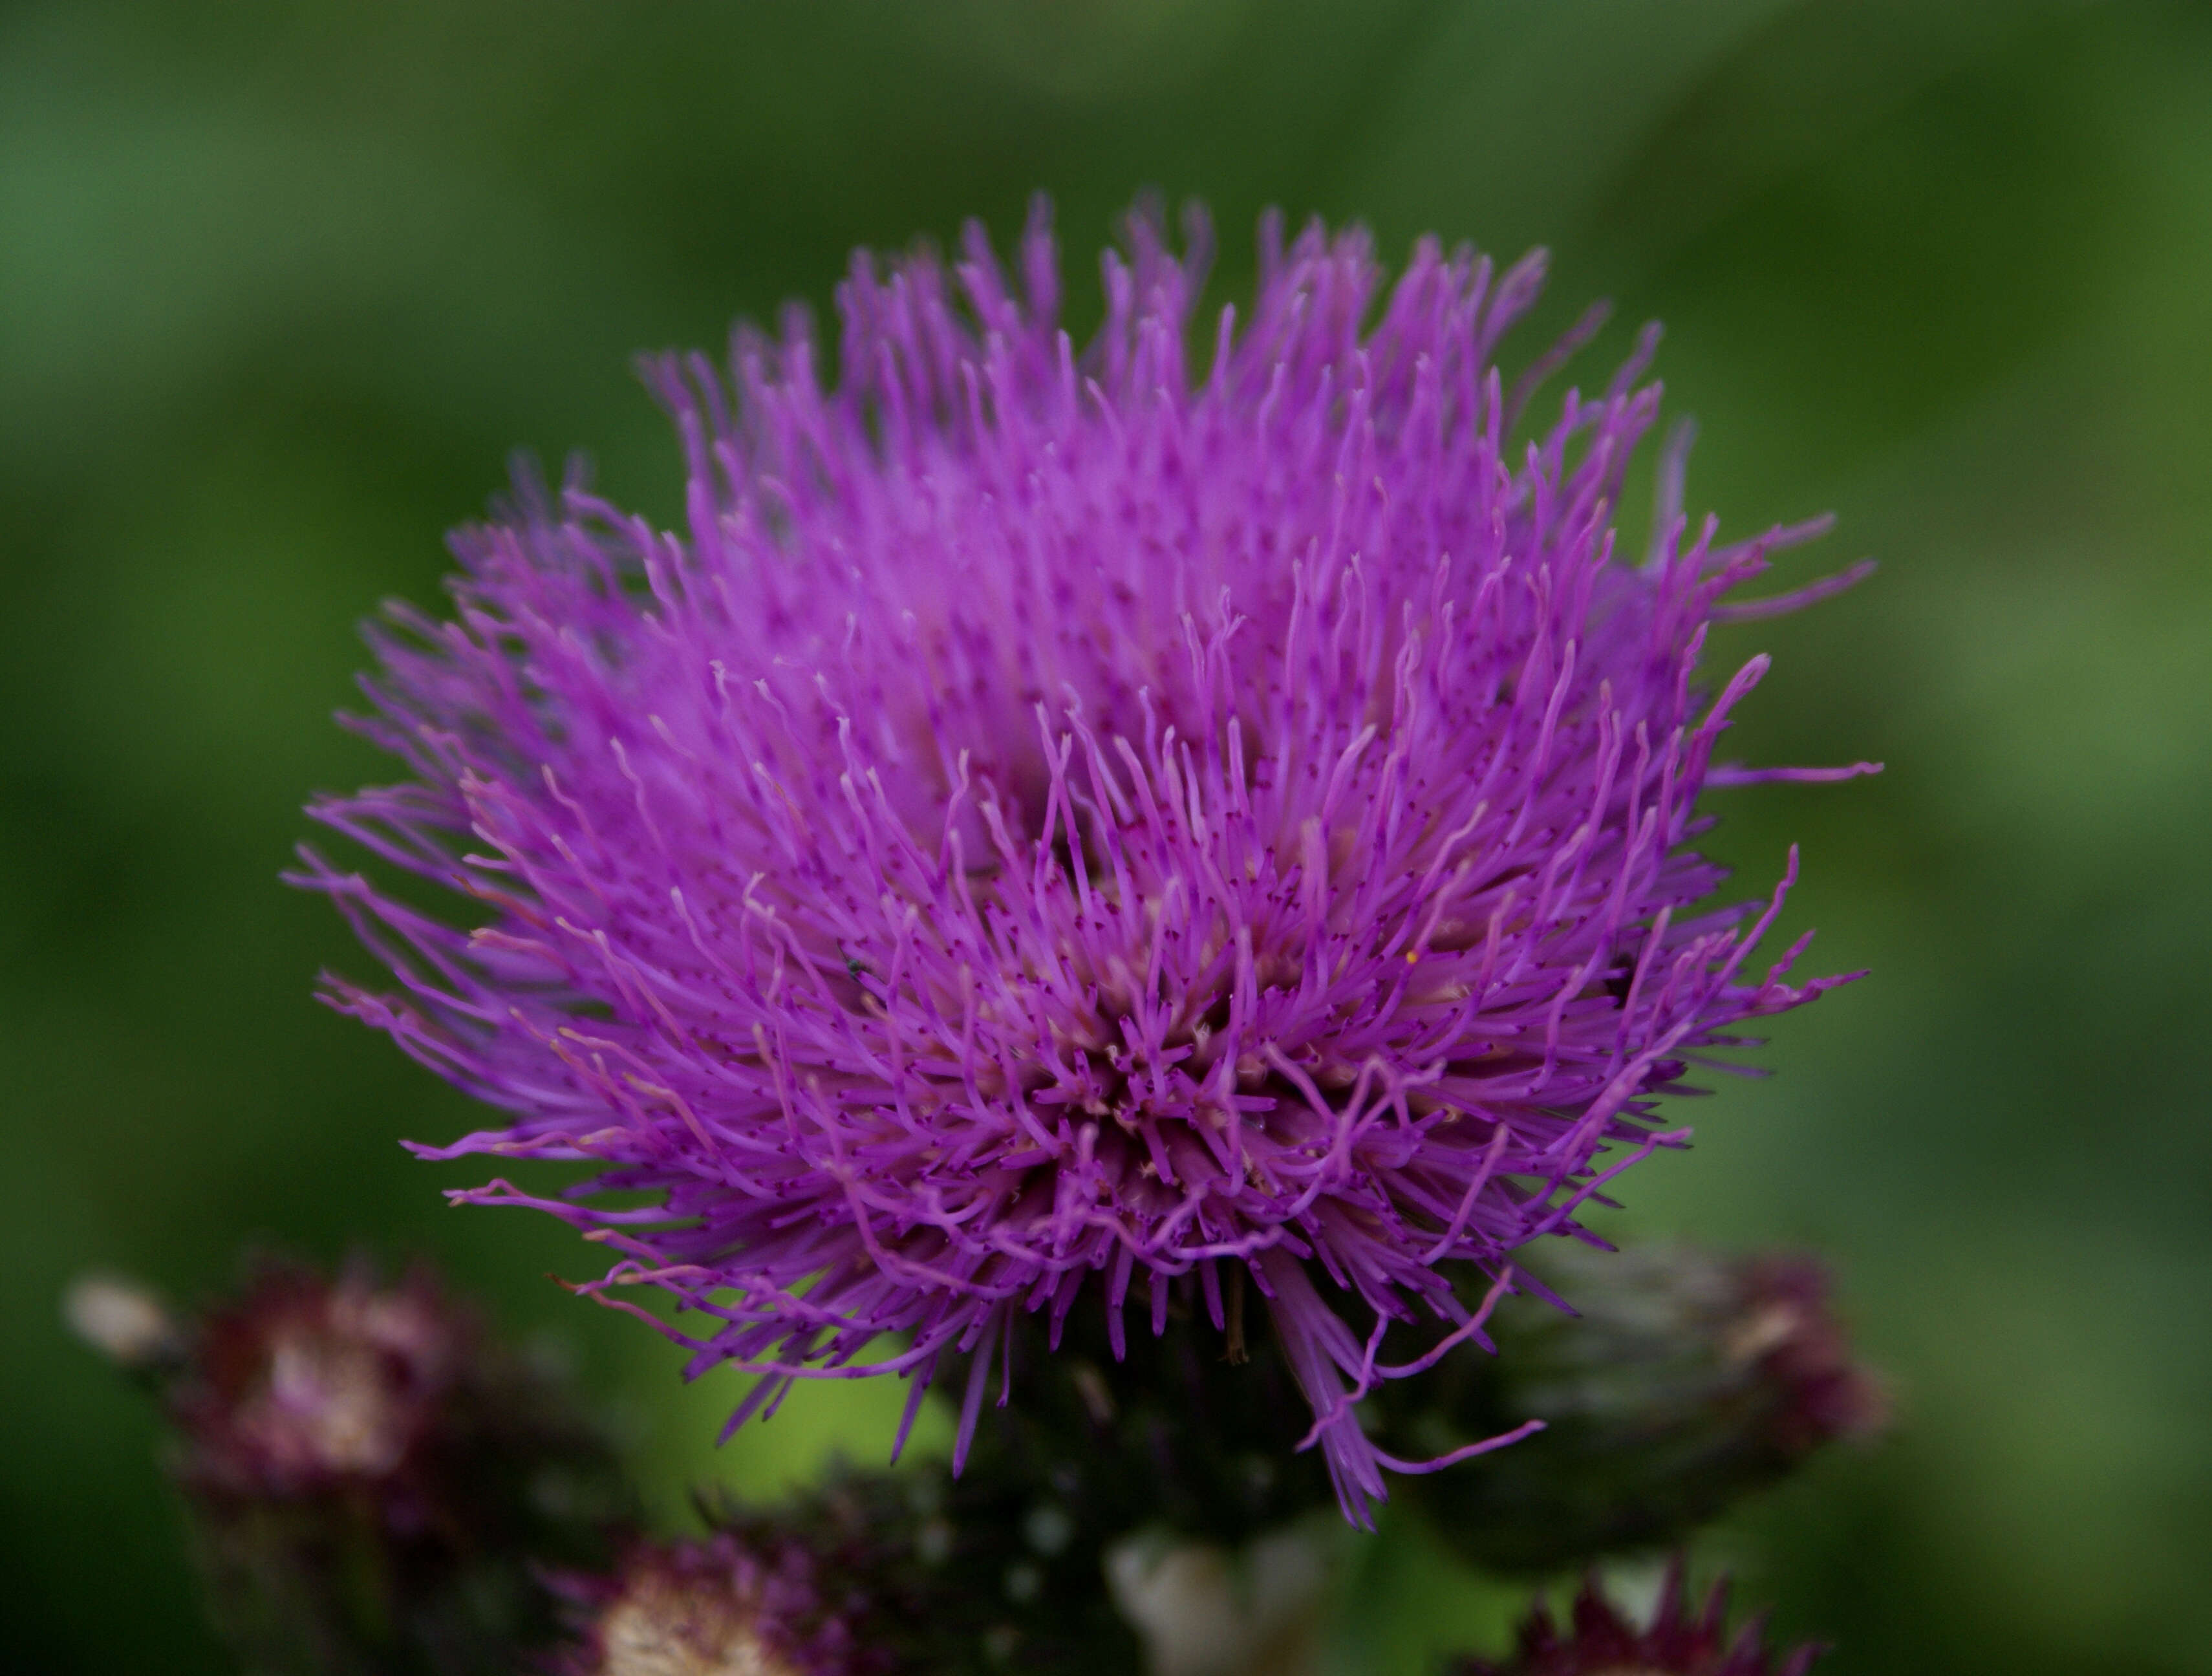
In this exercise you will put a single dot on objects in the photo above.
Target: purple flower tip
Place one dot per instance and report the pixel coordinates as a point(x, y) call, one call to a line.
point(1057, 820)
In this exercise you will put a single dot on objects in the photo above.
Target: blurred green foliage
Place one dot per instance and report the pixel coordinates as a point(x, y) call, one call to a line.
point(281, 284)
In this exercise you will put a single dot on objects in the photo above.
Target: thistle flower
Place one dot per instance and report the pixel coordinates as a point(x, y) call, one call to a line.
point(1689, 1380)
point(1051, 823)
point(371, 1484)
point(1682, 1640)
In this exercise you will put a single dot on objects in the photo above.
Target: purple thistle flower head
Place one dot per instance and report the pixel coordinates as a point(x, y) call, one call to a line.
point(1056, 827)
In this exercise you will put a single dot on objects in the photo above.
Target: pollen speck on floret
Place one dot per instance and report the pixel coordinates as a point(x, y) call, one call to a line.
point(1056, 825)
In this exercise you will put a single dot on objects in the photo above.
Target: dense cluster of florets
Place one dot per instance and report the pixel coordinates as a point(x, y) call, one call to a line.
point(1057, 824)
point(375, 1485)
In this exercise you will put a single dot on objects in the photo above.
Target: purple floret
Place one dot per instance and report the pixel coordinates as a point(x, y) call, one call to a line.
point(1053, 820)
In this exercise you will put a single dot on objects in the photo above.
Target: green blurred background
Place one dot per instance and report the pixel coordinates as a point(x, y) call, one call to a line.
point(281, 285)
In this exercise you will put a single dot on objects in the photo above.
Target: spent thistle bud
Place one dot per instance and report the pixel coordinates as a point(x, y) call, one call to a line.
point(1682, 1640)
point(1687, 1380)
point(705, 1608)
point(371, 1482)
point(867, 1574)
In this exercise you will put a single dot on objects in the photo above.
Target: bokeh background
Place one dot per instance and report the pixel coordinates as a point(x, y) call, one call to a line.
point(281, 285)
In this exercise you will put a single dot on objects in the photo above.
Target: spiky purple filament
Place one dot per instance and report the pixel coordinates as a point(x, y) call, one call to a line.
point(1049, 817)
